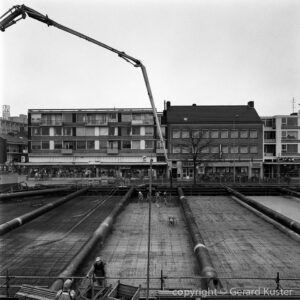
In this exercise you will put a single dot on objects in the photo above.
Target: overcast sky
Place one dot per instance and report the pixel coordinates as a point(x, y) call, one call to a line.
point(214, 52)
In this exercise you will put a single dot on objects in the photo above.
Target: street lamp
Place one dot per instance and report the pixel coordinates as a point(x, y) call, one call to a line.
point(149, 228)
point(236, 116)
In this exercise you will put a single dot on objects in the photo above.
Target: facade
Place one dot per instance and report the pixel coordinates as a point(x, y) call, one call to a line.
point(13, 124)
point(104, 142)
point(13, 148)
point(281, 146)
point(234, 138)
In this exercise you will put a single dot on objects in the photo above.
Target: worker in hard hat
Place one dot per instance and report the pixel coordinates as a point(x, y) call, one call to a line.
point(98, 270)
point(66, 293)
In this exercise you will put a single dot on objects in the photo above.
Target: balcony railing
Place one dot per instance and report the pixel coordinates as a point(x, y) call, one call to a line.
point(112, 151)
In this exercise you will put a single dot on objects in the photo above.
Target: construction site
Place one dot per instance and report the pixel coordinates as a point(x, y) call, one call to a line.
point(213, 238)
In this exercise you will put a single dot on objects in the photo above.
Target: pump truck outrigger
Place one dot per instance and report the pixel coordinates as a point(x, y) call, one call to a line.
point(18, 12)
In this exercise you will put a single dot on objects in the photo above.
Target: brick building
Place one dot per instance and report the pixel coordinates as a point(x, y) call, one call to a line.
point(235, 135)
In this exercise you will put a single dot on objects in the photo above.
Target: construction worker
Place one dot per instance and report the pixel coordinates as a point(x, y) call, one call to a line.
point(140, 196)
point(165, 198)
point(66, 293)
point(98, 270)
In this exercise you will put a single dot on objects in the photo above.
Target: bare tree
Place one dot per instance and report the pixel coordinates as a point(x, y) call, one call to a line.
point(194, 146)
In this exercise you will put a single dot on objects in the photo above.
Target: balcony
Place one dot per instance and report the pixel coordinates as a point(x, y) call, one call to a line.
point(112, 151)
point(67, 151)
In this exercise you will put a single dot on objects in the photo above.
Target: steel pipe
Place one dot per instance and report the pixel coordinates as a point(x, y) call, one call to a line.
point(31, 193)
point(19, 221)
point(98, 237)
point(210, 280)
point(280, 218)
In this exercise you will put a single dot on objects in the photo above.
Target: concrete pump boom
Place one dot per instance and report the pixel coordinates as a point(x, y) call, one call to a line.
point(18, 12)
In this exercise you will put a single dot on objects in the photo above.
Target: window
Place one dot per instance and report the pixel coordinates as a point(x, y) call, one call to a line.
point(149, 131)
point(292, 148)
point(125, 131)
point(214, 149)
point(81, 145)
point(292, 121)
point(205, 150)
point(68, 145)
point(57, 131)
point(253, 134)
point(103, 131)
point(185, 134)
point(136, 145)
point(214, 133)
point(176, 133)
point(99, 119)
point(67, 118)
point(196, 133)
point(111, 131)
point(224, 134)
point(244, 134)
point(45, 145)
point(126, 145)
point(35, 131)
point(103, 144)
point(205, 133)
point(149, 144)
point(283, 121)
point(90, 131)
point(35, 145)
point(90, 145)
point(253, 149)
point(67, 131)
point(225, 149)
point(234, 149)
point(269, 135)
point(243, 149)
point(136, 117)
point(57, 145)
point(80, 131)
point(292, 135)
point(126, 118)
point(80, 118)
point(36, 118)
point(283, 147)
point(176, 149)
point(234, 133)
point(136, 130)
point(112, 117)
point(185, 149)
point(268, 122)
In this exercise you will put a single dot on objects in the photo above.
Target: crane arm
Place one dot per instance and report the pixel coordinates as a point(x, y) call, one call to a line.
point(18, 12)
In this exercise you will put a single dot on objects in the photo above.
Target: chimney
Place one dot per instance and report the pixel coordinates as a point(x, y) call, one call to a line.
point(251, 104)
point(168, 104)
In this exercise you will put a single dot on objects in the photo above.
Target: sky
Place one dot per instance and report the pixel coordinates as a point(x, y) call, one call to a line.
point(207, 52)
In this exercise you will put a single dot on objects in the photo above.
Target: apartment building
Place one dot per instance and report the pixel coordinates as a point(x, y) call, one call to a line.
point(281, 145)
point(233, 136)
point(110, 142)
